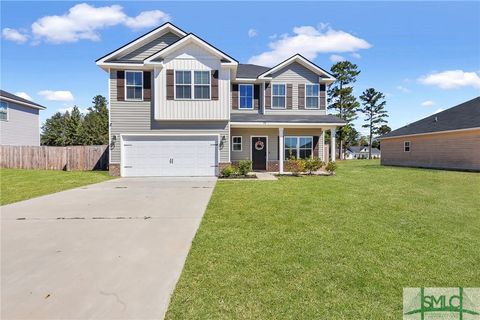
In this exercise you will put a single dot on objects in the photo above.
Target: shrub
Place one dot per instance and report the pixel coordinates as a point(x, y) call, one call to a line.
point(313, 164)
point(295, 166)
point(331, 167)
point(244, 167)
point(227, 171)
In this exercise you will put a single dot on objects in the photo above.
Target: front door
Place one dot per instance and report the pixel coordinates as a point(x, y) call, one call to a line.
point(259, 153)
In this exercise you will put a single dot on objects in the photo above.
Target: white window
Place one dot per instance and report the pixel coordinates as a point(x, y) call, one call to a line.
point(278, 96)
point(298, 147)
point(202, 84)
point(3, 110)
point(183, 84)
point(406, 146)
point(237, 143)
point(245, 96)
point(312, 92)
point(134, 85)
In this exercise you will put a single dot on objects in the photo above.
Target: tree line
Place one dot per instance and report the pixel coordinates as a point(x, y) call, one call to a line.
point(346, 106)
point(72, 128)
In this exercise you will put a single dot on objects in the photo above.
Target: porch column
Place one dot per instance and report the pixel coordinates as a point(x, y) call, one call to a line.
point(280, 150)
point(333, 131)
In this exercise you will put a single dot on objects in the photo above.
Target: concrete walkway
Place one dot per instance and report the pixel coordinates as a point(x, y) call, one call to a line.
point(113, 250)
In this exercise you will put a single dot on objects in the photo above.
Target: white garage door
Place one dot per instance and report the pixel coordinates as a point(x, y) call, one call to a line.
point(172, 156)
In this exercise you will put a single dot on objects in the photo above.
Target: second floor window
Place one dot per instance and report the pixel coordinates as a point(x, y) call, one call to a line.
point(278, 96)
point(202, 84)
point(3, 110)
point(134, 85)
point(183, 84)
point(245, 96)
point(311, 96)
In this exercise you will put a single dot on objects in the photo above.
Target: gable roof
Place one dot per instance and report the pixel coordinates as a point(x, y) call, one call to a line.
point(192, 38)
point(301, 60)
point(143, 39)
point(463, 116)
point(7, 96)
point(358, 149)
point(250, 71)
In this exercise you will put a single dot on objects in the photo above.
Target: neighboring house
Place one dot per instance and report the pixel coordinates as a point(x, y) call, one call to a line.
point(19, 121)
point(361, 152)
point(446, 140)
point(181, 107)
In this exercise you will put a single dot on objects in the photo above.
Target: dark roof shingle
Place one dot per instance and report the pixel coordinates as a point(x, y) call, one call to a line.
point(250, 71)
point(19, 99)
point(462, 116)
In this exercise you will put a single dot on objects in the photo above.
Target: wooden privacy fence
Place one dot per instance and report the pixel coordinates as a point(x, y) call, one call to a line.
point(54, 158)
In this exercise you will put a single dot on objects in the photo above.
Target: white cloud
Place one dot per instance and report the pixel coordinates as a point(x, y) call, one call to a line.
point(23, 95)
point(14, 35)
point(83, 21)
point(356, 55)
point(428, 103)
point(252, 33)
point(309, 41)
point(336, 58)
point(147, 19)
point(56, 95)
point(403, 89)
point(451, 79)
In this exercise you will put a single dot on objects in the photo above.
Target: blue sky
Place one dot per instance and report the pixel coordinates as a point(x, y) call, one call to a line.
point(425, 56)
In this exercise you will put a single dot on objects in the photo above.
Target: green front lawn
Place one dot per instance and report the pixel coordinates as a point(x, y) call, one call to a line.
point(340, 247)
point(19, 184)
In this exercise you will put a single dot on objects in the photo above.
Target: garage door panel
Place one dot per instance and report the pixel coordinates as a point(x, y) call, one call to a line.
point(170, 156)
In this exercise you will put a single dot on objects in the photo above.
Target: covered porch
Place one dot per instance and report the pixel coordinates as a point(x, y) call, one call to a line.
point(269, 141)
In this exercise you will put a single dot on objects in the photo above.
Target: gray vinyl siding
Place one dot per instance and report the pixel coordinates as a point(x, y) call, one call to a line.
point(22, 126)
point(295, 74)
point(152, 47)
point(138, 117)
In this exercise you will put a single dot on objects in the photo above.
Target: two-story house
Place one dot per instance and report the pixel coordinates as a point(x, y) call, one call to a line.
point(19, 120)
point(181, 107)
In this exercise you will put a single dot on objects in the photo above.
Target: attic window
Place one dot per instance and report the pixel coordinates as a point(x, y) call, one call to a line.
point(4, 111)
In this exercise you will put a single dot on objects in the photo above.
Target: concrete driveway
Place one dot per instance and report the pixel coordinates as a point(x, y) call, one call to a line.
point(113, 250)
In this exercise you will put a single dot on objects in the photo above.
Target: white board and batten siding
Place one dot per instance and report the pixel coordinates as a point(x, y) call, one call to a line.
point(192, 57)
point(137, 117)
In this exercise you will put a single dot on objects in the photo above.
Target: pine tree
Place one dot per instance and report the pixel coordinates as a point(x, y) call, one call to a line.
point(95, 125)
point(374, 109)
point(73, 127)
point(53, 131)
point(341, 98)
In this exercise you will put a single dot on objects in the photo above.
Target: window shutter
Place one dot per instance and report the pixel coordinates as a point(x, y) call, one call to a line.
point(323, 96)
point(256, 96)
point(234, 96)
point(268, 96)
point(301, 96)
point(170, 85)
point(289, 96)
point(214, 83)
point(147, 86)
point(120, 85)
